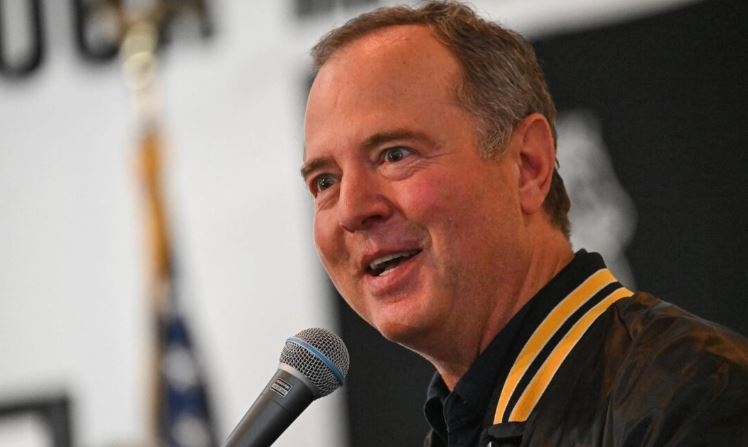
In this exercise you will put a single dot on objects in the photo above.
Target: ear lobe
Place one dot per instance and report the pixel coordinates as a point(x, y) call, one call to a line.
point(537, 160)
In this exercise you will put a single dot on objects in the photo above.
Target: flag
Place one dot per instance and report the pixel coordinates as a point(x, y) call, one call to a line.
point(184, 417)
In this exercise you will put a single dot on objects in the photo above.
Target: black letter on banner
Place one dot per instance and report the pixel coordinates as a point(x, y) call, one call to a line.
point(178, 11)
point(94, 19)
point(33, 59)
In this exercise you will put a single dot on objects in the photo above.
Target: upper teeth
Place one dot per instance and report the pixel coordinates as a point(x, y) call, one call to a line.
point(378, 263)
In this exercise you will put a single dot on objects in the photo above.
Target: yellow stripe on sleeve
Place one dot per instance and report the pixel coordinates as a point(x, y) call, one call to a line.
point(543, 377)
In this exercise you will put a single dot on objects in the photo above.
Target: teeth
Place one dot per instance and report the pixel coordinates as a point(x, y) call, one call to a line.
point(383, 265)
point(375, 264)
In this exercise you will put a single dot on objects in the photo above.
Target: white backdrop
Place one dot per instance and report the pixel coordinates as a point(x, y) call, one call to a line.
point(73, 313)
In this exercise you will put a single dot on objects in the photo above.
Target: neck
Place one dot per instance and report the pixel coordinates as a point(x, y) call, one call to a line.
point(453, 357)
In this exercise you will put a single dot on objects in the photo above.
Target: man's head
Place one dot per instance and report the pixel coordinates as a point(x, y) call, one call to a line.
point(501, 82)
point(429, 236)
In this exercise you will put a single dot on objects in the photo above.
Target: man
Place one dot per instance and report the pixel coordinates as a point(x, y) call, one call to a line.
point(441, 219)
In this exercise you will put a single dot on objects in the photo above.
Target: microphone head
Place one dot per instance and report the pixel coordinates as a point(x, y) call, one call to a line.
point(320, 356)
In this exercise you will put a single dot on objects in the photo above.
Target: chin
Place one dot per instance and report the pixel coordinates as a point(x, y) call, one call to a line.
point(395, 332)
point(404, 319)
point(403, 333)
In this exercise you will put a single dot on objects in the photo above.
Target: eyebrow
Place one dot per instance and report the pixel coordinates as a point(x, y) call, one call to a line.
point(369, 143)
point(397, 134)
point(314, 164)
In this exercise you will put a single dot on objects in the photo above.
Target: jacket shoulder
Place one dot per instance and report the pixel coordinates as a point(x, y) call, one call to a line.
point(654, 324)
point(681, 380)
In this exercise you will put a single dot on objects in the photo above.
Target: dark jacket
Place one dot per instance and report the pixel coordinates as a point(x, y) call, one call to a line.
point(644, 373)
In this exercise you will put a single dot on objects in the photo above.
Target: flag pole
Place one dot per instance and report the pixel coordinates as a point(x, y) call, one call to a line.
point(178, 413)
point(138, 54)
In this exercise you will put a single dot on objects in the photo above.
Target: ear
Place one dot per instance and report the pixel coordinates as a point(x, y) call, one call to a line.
point(537, 160)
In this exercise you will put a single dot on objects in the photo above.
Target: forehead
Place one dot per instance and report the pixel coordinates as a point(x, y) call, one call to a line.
point(391, 73)
point(409, 54)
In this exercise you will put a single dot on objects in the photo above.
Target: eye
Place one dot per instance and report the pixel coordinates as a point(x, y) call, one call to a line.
point(395, 154)
point(322, 182)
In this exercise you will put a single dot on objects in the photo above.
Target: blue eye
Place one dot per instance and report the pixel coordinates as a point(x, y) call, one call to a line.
point(395, 154)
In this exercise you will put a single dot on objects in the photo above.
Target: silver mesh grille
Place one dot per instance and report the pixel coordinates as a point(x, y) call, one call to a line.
point(309, 363)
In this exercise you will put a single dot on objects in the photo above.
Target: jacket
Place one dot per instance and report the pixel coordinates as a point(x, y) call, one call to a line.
point(616, 368)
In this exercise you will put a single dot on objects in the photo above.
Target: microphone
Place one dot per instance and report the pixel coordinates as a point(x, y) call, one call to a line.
point(313, 364)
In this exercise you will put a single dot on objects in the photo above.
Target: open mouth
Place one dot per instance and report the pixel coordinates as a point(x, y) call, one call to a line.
point(385, 264)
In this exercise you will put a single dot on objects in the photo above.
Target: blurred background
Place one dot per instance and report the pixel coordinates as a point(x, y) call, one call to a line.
point(155, 235)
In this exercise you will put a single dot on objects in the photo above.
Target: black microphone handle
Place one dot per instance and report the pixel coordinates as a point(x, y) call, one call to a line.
point(281, 402)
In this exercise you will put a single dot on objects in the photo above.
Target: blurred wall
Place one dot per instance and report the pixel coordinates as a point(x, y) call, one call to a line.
point(73, 256)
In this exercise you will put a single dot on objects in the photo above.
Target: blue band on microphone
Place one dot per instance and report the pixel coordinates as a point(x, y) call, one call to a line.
point(317, 353)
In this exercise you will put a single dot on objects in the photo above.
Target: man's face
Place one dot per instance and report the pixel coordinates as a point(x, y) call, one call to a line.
point(418, 232)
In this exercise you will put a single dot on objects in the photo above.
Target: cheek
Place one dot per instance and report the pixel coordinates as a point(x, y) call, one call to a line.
point(425, 197)
point(332, 252)
point(463, 213)
point(324, 239)
point(440, 202)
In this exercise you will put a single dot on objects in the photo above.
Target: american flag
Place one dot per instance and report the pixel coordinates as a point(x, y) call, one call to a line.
point(184, 411)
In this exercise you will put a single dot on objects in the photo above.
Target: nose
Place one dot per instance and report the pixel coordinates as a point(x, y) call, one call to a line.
point(363, 202)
